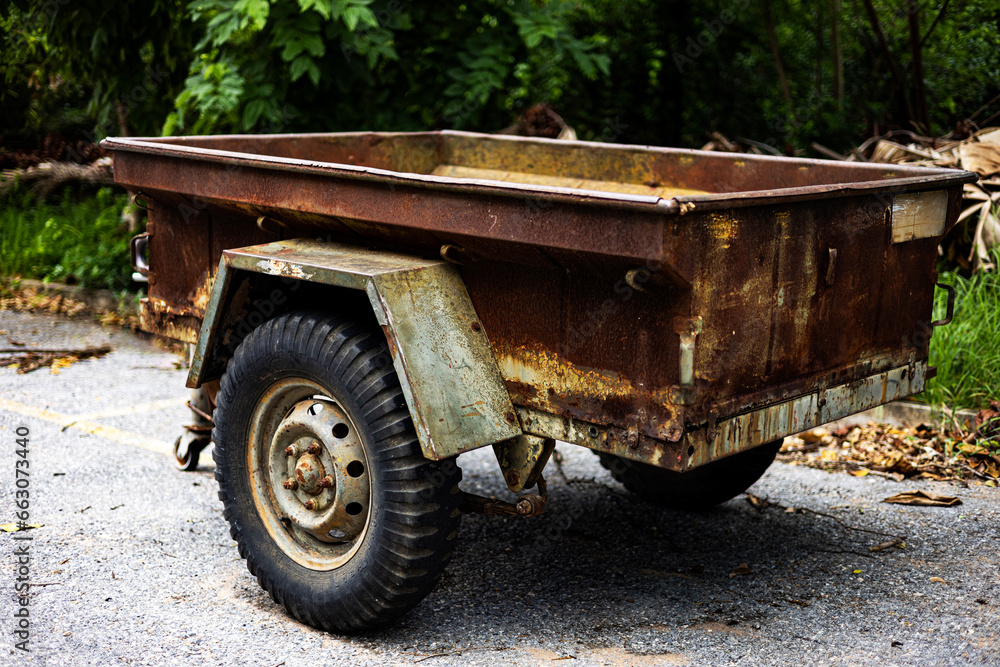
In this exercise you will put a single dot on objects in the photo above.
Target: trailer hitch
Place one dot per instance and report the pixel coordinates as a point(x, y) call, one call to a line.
point(530, 504)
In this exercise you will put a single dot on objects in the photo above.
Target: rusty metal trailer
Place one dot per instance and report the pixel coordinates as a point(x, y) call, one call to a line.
point(375, 304)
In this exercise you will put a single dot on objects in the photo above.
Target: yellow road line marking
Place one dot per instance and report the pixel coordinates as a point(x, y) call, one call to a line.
point(131, 409)
point(100, 430)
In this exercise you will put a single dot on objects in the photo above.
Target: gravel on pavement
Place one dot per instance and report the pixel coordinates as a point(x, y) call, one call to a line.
point(133, 563)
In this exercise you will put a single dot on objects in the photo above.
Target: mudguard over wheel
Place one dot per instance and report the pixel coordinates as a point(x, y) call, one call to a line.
point(336, 511)
point(698, 489)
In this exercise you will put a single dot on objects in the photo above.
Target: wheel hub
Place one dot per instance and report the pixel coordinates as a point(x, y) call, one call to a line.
point(309, 471)
point(314, 471)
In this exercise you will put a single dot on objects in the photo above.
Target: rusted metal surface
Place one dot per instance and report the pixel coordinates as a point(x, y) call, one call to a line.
point(186, 238)
point(528, 505)
point(725, 437)
point(590, 266)
point(522, 460)
point(361, 186)
point(309, 474)
point(442, 356)
point(821, 406)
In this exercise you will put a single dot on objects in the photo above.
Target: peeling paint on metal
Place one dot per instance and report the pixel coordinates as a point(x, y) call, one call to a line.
point(279, 268)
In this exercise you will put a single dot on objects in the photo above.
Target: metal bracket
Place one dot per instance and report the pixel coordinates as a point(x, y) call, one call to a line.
point(711, 426)
point(688, 330)
point(951, 305)
point(137, 253)
point(831, 266)
point(530, 504)
point(522, 460)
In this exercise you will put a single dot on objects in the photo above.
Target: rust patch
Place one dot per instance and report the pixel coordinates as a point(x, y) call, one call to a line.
point(156, 318)
point(547, 381)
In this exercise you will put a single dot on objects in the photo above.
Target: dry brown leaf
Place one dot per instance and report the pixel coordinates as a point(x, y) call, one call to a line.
point(740, 570)
point(922, 498)
point(982, 156)
point(814, 436)
point(937, 580)
point(987, 235)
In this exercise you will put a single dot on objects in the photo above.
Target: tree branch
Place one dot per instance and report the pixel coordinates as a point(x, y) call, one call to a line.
point(776, 52)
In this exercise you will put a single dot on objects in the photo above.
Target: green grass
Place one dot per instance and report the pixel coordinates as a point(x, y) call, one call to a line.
point(77, 239)
point(967, 351)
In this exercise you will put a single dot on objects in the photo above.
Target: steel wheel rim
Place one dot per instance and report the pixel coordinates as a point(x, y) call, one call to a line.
point(328, 463)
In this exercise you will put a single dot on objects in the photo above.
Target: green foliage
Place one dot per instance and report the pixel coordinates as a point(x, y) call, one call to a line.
point(120, 62)
point(967, 351)
point(681, 70)
point(376, 64)
point(665, 72)
point(78, 239)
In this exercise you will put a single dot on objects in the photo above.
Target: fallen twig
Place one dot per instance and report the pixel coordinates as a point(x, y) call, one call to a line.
point(27, 360)
point(887, 545)
point(103, 349)
point(459, 651)
point(842, 551)
point(850, 527)
point(819, 148)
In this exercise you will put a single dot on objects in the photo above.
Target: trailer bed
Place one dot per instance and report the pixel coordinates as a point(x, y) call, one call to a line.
point(666, 305)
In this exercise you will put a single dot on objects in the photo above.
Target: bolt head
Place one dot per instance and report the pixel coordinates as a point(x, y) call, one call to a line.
point(290, 450)
point(310, 504)
point(290, 484)
point(313, 449)
point(325, 483)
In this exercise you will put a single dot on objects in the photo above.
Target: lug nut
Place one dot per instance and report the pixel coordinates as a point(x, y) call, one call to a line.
point(310, 504)
point(313, 449)
point(290, 450)
point(325, 483)
point(290, 484)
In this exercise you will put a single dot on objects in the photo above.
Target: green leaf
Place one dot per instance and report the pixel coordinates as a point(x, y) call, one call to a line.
point(252, 112)
point(368, 17)
point(321, 7)
point(299, 66)
point(255, 10)
point(314, 73)
point(220, 28)
point(314, 44)
point(351, 17)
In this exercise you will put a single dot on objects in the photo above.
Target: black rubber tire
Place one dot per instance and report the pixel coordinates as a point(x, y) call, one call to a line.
point(700, 489)
point(414, 515)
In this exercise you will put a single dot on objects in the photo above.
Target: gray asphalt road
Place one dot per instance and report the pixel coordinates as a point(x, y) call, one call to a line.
point(133, 563)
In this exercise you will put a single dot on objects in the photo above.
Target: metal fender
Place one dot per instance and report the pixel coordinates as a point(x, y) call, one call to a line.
point(453, 387)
